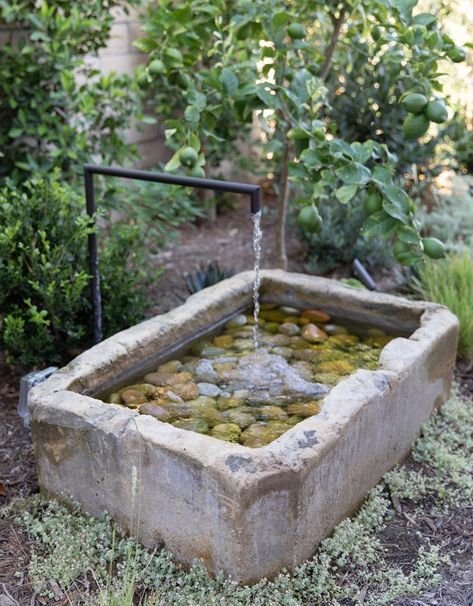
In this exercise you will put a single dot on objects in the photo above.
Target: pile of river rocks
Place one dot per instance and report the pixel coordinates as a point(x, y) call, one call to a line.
point(226, 389)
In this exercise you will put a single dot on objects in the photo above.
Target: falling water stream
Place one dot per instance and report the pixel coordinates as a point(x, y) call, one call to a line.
point(257, 235)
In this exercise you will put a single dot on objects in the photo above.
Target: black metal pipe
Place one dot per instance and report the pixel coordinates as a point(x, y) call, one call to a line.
point(254, 191)
point(360, 270)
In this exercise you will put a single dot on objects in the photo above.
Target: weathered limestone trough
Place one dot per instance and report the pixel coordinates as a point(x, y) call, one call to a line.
point(248, 512)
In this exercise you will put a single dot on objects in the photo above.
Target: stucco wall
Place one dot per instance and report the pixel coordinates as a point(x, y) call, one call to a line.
point(121, 56)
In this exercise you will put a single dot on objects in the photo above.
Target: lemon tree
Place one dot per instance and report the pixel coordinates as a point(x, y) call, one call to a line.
point(226, 64)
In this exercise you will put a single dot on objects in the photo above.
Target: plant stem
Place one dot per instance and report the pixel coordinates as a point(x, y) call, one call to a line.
point(337, 26)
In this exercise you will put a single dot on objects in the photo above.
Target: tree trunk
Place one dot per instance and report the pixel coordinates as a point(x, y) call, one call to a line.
point(283, 203)
point(337, 27)
point(207, 197)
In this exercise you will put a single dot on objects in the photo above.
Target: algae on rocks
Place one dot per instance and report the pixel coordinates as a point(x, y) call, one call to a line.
point(230, 391)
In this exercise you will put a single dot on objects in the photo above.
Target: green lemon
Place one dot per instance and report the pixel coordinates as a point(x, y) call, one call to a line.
point(297, 133)
point(188, 156)
point(433, 248)
point(183, 81)
point(143, 79)
point(457, 54)
point(415, 125)
point(174, 56)
point(414, 103)
point(156, 67)
point(296, 31)
point(373, 203)
point(309, 219)
point(197, 171)
point(436, 111)
point(400, 247)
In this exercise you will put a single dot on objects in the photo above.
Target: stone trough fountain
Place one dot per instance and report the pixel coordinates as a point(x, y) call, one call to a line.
point(139, 425)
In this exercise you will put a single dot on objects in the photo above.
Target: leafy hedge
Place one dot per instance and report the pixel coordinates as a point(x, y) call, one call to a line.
point(44, 283)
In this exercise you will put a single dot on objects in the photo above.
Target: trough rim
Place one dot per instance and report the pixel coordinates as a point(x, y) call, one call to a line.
point(299, 448)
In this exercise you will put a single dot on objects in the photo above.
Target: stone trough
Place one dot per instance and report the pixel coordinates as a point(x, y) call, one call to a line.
point(248, 512)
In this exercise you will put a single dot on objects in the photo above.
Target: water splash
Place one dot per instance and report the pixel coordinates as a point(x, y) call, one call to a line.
point(257, 235)
point(269, 377)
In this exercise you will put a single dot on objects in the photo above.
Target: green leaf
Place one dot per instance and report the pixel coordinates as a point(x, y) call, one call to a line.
point(145, 45)
point(354, 173)
point(408, 234)
point(192, 115)
point(265, 96)
point(311, 158)
point(194, 142)
point(405, 8)
point(169, 132)
point(394, 211)
point(13, 133)
point(280, 19)
point(424, 19)
point(398, 197)
point(229, 82)
point(264, 125)
point(382, 176)
point(346, 193)
point(409, 257)
point(362, 151)
point(174, 162)
point(378, 224)
point(149, 120)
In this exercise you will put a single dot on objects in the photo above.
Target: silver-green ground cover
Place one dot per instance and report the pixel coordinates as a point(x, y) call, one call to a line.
point(352, 566)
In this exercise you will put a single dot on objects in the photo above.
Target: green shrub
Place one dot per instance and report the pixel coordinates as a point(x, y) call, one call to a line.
point(450, 282)
point(55, 109)
point(44, 283)
point(339, 241)
point(364, 108)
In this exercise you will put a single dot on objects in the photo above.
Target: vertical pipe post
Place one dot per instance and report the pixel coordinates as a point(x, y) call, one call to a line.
point(93, 257)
